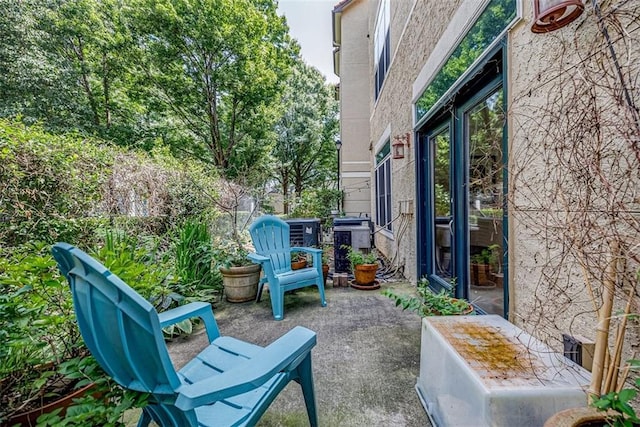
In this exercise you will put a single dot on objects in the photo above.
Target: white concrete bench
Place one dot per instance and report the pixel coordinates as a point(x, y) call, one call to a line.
point(484, 371)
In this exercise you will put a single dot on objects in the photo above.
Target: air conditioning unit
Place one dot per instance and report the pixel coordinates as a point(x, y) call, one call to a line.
point(304, 232)
point(356, 236)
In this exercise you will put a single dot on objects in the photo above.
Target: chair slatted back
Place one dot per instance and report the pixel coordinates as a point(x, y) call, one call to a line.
point(120, 328)
point(270, 236)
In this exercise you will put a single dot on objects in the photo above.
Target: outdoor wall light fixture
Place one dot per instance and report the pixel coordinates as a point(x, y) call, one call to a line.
point(550, 15)
point(399, 142)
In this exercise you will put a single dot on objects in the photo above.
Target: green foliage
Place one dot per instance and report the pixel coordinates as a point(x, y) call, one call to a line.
point(357, 257)
point(488, 255)
point(37, 324)
point(133, 260)
point(105, 405)
point(217, 68)
point(229, 253)
point(36, 310)
point(194, 262)
point(305, 152)
point(316, 203)
point(429, 303)
point(49, 183)
point(619, 403)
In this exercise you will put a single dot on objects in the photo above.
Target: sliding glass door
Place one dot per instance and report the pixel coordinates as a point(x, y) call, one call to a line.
point(464, 199)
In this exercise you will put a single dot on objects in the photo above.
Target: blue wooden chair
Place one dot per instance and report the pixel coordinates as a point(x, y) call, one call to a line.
point(270, 236)
point(230, 383)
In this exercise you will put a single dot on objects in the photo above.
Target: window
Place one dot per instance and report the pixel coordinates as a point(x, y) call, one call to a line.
point(381, 46)
point(383, 187)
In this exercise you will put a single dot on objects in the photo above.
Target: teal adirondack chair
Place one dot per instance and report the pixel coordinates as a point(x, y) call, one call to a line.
point(270, 236)
point(230, 383)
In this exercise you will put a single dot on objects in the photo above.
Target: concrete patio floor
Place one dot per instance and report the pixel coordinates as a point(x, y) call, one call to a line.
point(365, 364)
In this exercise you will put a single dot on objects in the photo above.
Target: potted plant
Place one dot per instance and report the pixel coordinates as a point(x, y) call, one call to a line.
point(482, 265)
point(429, 303)
point(240, 276)
point(298, 260)
point(363, 265)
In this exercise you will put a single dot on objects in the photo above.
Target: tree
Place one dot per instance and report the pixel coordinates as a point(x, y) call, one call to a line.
point(305, 151)
point(217, 67)
point(65, 64)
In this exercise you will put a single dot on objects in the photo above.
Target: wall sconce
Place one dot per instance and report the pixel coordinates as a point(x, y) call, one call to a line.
point(550, 15)
point(398, 145)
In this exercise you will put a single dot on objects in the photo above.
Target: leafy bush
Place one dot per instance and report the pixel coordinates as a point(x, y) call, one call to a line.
point(429, 303)
point(194, 258)
point(316, 204)
point(47, 182)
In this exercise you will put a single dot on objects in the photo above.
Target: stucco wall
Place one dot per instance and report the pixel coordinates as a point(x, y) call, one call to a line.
point(355, 162)
point(556, 245)
point(420, 32)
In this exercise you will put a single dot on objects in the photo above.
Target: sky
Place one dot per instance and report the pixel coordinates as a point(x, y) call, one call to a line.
point(310, 23)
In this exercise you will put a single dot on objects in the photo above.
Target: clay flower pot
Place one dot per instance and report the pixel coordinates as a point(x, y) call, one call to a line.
point(365, 274)
point(297, 265)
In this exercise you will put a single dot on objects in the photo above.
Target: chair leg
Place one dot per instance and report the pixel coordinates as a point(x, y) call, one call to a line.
point(306, 382)
point(277, 303)
point(320, 285)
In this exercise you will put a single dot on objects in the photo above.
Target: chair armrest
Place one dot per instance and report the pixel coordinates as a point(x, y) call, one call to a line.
point(284, 354)
point(194, 309)
point(306, 249)
point(316, 255)
point(257, 259)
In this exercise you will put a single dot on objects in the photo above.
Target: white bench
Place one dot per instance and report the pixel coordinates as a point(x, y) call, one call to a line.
point(484, 371)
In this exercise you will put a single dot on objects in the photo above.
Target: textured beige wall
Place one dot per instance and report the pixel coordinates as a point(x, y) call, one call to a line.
point(413, 36)
point(549, 295)
point(355, 158)
point(547, 289)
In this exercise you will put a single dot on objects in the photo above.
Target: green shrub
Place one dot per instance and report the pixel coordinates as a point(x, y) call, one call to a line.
point(194, 259)
point(429, 303)
point(47, 181)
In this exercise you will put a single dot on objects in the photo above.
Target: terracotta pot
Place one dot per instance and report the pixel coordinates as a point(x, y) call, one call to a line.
point(325, 273)
point(30, 418)
point(365, 274)
point(578, 417)
point(297, 265)
point(241, 283)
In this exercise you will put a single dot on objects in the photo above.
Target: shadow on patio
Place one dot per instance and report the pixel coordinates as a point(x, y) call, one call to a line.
point(365, 363)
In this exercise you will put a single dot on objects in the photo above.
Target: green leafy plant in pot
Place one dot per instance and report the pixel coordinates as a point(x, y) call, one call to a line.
point(482, 265)
point(240, 276)
point(364, 265)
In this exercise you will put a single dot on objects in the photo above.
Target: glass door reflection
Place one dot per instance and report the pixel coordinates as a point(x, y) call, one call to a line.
point(442, 205)
point(484, 123)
